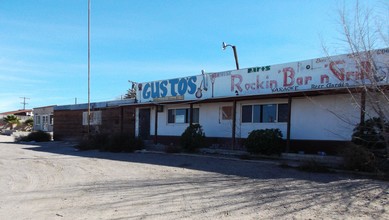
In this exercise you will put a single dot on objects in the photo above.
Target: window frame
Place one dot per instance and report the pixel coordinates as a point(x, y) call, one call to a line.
point(51, 119)
point(37, 120)
point(228, 116)
point(261, 113)
point(172, 115)
point(96, 118)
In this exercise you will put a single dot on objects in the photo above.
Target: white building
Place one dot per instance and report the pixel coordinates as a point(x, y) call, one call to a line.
point(43, 118)
point(308, 101)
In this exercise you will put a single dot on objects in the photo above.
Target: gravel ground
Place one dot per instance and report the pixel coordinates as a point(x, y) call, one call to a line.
point(54, 181)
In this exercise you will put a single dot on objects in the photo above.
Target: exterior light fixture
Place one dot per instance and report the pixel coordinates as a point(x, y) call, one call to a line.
point(224, 46)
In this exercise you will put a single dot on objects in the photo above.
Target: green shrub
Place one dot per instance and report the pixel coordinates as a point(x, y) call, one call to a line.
point(370, 133)
point(99, 141)
point(192, 138)
point(171, 149)
point(113, 143)
point(358, 158)
point(29, 122)
point(37, 136)
point(11, 120)
point(124, 143)
point(267, 142)
point(313, 166)
point(86, 143)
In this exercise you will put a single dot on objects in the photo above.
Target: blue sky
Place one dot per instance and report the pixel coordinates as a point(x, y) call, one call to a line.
point(43, 43)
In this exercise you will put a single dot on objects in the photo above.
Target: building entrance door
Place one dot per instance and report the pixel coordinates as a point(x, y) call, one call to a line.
point(144, 123)
point(45, 123)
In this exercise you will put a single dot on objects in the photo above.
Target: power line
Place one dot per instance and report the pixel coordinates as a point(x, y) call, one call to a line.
point(24, 102)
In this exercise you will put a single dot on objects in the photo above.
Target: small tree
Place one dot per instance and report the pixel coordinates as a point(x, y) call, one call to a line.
point(29, 123)
point(131, 93)
point(193, 138)
point(363, 31)
point(264, 141)
point(370, 133)
point(11, 120)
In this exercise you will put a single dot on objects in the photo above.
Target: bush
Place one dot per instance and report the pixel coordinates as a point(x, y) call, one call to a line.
point(171, 149)
point(37, 136)
point(313, 166)
point(358, 158)
point(193, 138)
point(114, 143)
point(370, 133)
point(267, 141)
point(124, 143)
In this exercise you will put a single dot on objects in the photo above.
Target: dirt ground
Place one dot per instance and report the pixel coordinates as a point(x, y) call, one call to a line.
point(54, 181)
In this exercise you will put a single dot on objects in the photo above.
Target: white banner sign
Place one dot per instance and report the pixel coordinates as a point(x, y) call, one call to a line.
point(316, 74)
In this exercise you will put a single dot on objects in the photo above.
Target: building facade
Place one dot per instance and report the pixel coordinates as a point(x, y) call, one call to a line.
point(315, 103)
point(309, 101)
point(111, 117)
point(43, 118)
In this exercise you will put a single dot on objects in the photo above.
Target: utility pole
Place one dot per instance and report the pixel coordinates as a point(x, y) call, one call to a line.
point(89, 113)
point(24, 102)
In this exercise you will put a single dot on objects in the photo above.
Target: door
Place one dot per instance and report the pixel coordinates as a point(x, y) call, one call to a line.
point(144, 123)
point(45, 123)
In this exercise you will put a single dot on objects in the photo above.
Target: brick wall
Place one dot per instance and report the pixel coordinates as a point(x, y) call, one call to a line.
point(68, 123)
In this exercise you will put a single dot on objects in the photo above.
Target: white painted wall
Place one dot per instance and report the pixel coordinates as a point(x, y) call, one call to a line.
point(211, 120)
point(327, 117)
point(331, 117)
point(244, 129)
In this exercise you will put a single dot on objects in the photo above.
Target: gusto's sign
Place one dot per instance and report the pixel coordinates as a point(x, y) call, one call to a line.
point(171, 87)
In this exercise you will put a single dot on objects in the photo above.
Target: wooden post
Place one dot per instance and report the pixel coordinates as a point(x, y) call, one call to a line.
point(191, 114)
point(288, 124)
point(156, 125)
point(121, 119)
point(233, 124)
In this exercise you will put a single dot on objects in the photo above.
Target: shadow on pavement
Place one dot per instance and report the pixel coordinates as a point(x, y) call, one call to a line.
point(251, 169)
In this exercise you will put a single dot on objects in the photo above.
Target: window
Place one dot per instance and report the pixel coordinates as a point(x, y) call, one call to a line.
point(264, 113)
point(269, 113)
point(226, 112)
point(37, 119)
point(256, 113)
point(251, 113)
point(45, 119)
point(95, 118)
point(283, 112)
point(196, 115)
point(51, 119)
point(247, 113)
point(181, 116)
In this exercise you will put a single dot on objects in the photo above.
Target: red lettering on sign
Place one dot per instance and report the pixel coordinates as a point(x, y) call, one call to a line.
point(237, 84)
point(288, 74)
point(338, 72)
